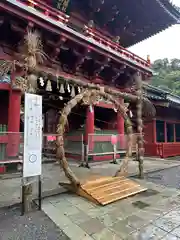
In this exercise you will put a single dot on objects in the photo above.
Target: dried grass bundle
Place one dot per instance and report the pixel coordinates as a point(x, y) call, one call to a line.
point(6, 67)
point(32, 50)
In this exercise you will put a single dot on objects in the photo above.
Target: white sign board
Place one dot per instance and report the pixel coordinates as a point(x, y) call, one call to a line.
point(32, 135)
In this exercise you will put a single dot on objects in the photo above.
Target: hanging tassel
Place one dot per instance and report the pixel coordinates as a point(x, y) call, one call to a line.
point(62, 88)
point(68, 88)
point(73, 94)
point(48, 86)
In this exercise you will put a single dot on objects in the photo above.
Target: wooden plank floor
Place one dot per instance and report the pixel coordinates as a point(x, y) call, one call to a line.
point(106, 190)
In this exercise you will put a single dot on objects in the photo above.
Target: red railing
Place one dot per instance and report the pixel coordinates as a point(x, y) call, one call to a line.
point(170, 149)
point(46, 10)
point(162, 150)
point(115, 46)
point(61, 17)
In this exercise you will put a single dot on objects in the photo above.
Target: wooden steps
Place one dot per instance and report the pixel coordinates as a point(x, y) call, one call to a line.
point(109, 189)
point(105, 190)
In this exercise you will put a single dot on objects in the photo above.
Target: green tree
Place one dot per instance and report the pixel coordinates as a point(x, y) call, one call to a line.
point(167, 75)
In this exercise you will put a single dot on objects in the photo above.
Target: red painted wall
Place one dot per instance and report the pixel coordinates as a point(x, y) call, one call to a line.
point(149, 133)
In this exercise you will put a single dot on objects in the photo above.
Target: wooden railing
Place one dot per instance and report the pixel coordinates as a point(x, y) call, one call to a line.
point(60, 17)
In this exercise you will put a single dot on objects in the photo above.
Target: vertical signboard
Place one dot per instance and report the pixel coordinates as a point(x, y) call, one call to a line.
point(32, 135)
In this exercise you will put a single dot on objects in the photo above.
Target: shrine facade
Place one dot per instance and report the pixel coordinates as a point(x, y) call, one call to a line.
point(86, 42)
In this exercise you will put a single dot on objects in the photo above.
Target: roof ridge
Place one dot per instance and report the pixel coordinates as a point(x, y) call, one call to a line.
point(176, 16)
point(160, 90)
point(155, 88)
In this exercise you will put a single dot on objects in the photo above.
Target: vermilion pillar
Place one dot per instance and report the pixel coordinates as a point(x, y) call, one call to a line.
point(14, 122)
point(89, 127)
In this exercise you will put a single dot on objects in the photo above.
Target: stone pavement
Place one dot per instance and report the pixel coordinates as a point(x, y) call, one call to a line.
point(35, 225)
point(154, 214)
point(10, 189)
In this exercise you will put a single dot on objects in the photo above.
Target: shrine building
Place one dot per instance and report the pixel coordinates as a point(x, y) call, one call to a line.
point(86, 41)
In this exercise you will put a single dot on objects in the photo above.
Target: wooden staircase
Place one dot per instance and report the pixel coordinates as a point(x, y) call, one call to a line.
point(105, 190)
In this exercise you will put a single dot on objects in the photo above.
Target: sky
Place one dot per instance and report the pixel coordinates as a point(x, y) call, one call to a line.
point(163, 45)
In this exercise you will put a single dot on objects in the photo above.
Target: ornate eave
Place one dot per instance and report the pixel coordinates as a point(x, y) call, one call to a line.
point(60, 23)
point(133, 21)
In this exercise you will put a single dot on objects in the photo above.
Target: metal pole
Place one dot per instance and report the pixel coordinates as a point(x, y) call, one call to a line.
point(114, 161)
point(86, 156)
point(22, 199)
point(39, 193)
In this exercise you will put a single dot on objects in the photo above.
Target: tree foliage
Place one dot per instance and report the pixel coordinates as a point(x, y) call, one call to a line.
point(167, 75)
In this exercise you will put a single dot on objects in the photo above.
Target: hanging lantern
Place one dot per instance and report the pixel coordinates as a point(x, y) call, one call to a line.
point(73, 94)
point(48, 86)
point(61, 90)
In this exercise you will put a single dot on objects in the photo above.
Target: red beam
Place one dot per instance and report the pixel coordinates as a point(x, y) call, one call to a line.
point(5, 86)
